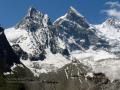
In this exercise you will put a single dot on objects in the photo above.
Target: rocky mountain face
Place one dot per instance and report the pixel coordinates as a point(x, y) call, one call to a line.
point(69, 54)
point(77, 33)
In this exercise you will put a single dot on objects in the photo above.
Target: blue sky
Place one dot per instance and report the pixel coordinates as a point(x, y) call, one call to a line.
point(12, 11)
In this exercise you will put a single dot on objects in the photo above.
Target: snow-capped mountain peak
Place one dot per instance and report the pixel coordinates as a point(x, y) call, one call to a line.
point(31, 11)
point(34, 19)
point(74, 30)
point(110, 28)
point(73, 16)
point(33, 34)
point(112, 22)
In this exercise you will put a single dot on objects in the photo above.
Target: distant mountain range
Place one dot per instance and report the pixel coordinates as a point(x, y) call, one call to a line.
point(70, 46)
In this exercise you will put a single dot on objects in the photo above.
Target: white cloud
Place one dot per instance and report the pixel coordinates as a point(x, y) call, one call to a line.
point(113, 10)
point(113, 4)
point(113, 13)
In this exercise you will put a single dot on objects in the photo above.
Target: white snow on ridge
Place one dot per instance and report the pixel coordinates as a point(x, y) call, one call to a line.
point(62, 18)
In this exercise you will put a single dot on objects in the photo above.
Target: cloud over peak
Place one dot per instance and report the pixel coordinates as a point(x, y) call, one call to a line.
point(113, 9)
point(113, 4)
